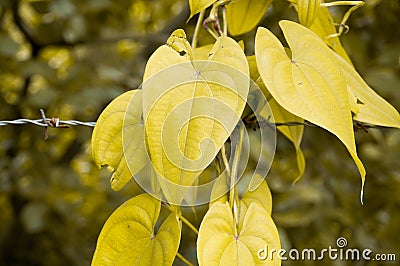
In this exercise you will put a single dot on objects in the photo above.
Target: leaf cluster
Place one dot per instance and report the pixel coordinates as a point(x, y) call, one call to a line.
point(178, 130)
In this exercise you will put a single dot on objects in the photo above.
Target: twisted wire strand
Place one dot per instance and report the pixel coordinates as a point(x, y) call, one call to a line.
point(49, 122)
point(61, 123)
point(57, 123)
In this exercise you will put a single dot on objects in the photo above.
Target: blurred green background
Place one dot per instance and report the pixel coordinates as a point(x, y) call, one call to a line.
point(72, 57)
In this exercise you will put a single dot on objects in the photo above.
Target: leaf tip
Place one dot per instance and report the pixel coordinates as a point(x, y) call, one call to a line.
point(362, 191)
point(260, 30)
point(114, 183)
point(110, 168)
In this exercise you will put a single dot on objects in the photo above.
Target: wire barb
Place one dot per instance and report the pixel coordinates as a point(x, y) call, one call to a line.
point(46, 132)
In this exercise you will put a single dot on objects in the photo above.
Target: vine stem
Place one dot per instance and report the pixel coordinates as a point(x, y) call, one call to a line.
point(197, 29)
point(355, 5)
point(233, 193)
point(189, 224)
point(182, 258)
point(225, 160)
point(212, 33)
point(225, 30)
point(343, 3)
point(181, 217)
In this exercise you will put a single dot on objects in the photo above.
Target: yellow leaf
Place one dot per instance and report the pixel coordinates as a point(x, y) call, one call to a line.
point(324, 27)
point(107, 145)
point(254, 75)
point(128, 236)
point(202, 53)
point(217, 243)
point(199, 5)
point(219, 190)
point(228, 51)
point(244, 15)
point(371, 108)
point(292, 133)
point(241, 44)
point(309, 85)
point(179, 43)
point(191, 195)
point(307, 11)
point(258, 191)
point(190, 109)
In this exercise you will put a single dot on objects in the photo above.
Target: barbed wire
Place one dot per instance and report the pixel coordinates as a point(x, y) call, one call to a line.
point(57, 123)
point(47, 122)
point(39, 122)
point(63, 123)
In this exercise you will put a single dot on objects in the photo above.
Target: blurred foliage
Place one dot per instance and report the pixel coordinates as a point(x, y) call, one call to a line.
point(73, 57)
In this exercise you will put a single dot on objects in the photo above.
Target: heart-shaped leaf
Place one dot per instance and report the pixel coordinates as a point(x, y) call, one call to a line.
point(218, 244)
point(128, 236)
point(244, 15)
point(309, 84)
point(107, 145)
point(190, 109)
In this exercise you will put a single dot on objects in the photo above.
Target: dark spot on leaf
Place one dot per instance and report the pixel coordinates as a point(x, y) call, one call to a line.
point(141, 120)
point(359, 102)
point(182, 53)
point(292, 61)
